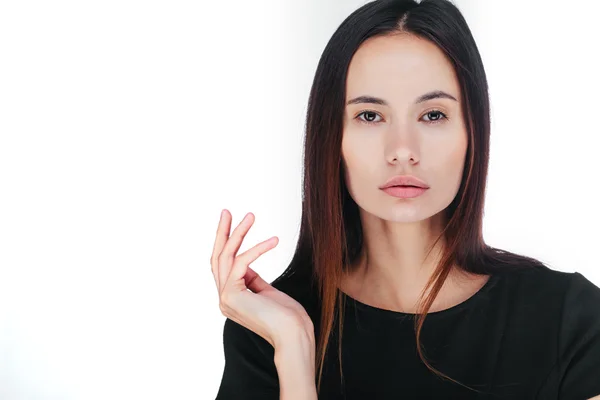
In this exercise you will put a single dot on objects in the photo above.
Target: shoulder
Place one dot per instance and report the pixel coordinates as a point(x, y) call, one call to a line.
point(249, 371)
point(580, 316)
point(582, 294)
point(573, 301)
point(238, 337)
point(540, 282)
point(579, 339)
point(546, 300)
point(570, 294)
point(555, 314)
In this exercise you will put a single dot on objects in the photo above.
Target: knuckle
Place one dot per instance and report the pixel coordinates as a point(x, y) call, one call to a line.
point(223, 305)
point(224, 300)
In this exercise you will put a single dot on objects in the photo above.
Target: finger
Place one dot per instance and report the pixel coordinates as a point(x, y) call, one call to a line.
point(221, 238)
point(231, 248)
point(254, 281)
point(241, 264)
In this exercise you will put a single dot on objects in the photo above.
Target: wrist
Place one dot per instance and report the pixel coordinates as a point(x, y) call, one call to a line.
point(298, 348)
point(295, 364)
point(294, 336)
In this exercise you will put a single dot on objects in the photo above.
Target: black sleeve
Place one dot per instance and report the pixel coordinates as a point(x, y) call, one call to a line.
point(249, 372)
point(579, 340)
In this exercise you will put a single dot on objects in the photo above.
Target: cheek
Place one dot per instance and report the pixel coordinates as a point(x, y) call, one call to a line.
point(351, 164)
point(451, 171)
point(459, 152)
point(357, 161)
point(456, 157)
point(449, 156)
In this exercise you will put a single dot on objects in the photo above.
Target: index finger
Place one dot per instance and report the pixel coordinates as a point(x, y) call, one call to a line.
point(222, 235)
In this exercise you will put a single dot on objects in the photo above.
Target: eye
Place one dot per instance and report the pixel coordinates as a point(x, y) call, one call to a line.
point(369, 117)
point(435, 116)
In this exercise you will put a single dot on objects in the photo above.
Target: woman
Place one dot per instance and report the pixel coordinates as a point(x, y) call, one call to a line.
point(392, 292)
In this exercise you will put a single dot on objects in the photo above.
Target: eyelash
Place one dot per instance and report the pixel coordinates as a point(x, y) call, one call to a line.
point(443, 117)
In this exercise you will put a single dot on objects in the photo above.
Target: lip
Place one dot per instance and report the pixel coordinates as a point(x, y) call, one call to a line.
point(405, 180)
point(404, 192)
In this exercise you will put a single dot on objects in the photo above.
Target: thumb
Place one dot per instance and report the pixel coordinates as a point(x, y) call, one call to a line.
point(254, 281)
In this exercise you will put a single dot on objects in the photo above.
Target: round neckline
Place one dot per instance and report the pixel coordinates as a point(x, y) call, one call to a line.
point(448, 311)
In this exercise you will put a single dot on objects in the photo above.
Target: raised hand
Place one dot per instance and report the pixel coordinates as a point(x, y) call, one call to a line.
point(244, 296)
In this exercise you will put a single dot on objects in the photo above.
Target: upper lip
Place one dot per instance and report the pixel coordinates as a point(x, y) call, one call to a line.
point(405, 180)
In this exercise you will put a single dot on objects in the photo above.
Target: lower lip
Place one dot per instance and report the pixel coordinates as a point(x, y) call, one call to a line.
point(404, 191)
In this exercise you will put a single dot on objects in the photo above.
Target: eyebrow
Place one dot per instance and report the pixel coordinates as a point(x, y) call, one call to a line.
point(436, 94)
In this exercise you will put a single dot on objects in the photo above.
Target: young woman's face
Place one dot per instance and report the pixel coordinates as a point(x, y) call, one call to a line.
point(403, 136)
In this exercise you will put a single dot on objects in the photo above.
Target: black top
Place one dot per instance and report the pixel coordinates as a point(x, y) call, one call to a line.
point(527, 334)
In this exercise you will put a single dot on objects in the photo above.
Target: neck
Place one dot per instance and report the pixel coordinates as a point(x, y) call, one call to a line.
point(394, 267)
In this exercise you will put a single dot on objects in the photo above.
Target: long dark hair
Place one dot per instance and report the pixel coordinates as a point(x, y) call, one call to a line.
point(330, 238)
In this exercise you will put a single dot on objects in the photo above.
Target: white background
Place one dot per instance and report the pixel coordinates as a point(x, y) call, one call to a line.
point(126, 126)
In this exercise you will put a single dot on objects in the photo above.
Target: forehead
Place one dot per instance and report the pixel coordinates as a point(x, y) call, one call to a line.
point(399, 68)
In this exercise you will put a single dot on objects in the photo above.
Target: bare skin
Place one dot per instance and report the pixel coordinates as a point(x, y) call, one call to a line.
point(248, 299)
point(426, 139)
point(456, 289)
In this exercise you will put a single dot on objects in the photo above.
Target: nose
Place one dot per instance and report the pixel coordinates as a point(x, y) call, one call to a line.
point(401, 146)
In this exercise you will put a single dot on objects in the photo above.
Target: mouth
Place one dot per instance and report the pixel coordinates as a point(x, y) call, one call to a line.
point(404, 181)
point(404, 191)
